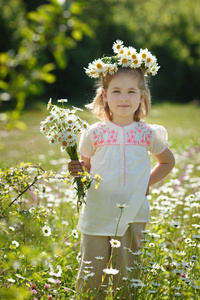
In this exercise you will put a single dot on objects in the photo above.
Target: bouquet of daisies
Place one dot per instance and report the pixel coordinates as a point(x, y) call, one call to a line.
point(62, 127)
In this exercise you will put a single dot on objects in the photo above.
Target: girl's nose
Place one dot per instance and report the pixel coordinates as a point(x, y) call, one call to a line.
point(123, 99)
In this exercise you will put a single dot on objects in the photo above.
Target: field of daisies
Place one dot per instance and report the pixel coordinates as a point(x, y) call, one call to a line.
point(40, 246)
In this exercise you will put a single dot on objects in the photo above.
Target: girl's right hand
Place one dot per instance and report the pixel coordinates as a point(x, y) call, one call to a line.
point(75, 167)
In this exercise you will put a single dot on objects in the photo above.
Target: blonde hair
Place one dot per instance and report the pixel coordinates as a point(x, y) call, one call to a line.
point(101, 109)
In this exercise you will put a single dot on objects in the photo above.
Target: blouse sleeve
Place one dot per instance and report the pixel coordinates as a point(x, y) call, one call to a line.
point(159, 140)
point(86, 147)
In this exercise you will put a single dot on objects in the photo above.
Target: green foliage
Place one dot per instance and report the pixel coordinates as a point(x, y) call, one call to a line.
point(36, 233)
point(45, 37)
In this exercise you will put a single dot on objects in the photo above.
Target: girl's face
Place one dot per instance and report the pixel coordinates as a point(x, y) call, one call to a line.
point(123, 97)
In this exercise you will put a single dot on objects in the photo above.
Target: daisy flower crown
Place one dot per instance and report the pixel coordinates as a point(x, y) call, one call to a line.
point(125, 57)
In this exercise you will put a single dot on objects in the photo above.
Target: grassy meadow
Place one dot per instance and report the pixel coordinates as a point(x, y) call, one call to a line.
point(39, 242)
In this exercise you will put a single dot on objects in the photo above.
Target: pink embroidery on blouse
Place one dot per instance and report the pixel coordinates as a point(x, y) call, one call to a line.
point(141, 135)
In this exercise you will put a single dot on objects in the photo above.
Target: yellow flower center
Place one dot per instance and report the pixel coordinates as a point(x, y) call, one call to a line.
point(144, 55)
point(135, 62)
point(133, 56)
point(52, 141)
point(70, 121)
point(64, 143)
point(118, 46)
point(121, 51)
point(51, 118)
point(70, 136)
point(99, 66)
point(124, 60)
point(148, 60)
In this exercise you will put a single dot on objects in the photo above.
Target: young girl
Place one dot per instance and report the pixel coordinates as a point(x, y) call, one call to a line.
point(117, 148)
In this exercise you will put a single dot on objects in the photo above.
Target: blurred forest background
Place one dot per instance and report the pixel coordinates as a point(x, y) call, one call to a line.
point(45, 45)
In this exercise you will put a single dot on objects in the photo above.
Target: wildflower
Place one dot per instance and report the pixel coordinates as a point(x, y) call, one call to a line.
point(15, 243)
point(75, 233)
point(12, 228)
point(51, 280)
point(115, 243)
point(46, 286)
point(62, 100)
point(19, 276)
point(111, 271)
point(43, 128)
point(88, 275)
point(11, 280)
point(124, 62)
point(49, 103)
point(118, 205)
point(34, 292)
point(46, 230)
point(58, 281)
point(51, 118)
point(87, 262)
point(117, 46)
point(175, 224)
point(58, 274)
point(99, 257)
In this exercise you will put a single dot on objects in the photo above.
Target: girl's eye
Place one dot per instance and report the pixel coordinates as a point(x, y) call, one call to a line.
point(115, 91)
point(131, 92)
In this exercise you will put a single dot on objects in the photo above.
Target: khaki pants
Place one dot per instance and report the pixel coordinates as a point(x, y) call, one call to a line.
point(93, 248)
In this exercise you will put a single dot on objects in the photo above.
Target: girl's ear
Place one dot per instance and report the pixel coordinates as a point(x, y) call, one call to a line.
point(104, 95)
point(142, 97)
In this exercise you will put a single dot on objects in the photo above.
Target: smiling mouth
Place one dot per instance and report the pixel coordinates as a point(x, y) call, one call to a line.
point(123, 106)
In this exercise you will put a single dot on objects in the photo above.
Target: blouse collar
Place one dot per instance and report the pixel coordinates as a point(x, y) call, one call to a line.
point(113, 125)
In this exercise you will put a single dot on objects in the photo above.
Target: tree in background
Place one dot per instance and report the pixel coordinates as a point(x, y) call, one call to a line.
point(38, 45)
point(56, 39)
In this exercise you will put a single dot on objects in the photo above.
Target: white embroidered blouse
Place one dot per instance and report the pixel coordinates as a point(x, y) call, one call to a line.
point(121, 156)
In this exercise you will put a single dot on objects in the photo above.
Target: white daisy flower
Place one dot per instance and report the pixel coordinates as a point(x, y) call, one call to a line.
point(98, 66)
point(51, 118)
point(11, 280)
point(118, 205)
point(117, 46)
point(111, 271)
point(154, 69)
point(124, 61)
point(85, 125)
point(112, 68)
point(136, 63)
point(64, 142)
point(144, 53)
point(43, 128)
point(15, 243)
point(46, 230)
point(99, 257)
point(91, 72)
point(75, 233)
point(62, 100)
point(149, 60)
point(52, 140)
point(115, 243)
point(49, 103)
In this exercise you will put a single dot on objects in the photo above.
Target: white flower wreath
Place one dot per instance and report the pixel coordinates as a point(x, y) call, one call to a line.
point(125, 57)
